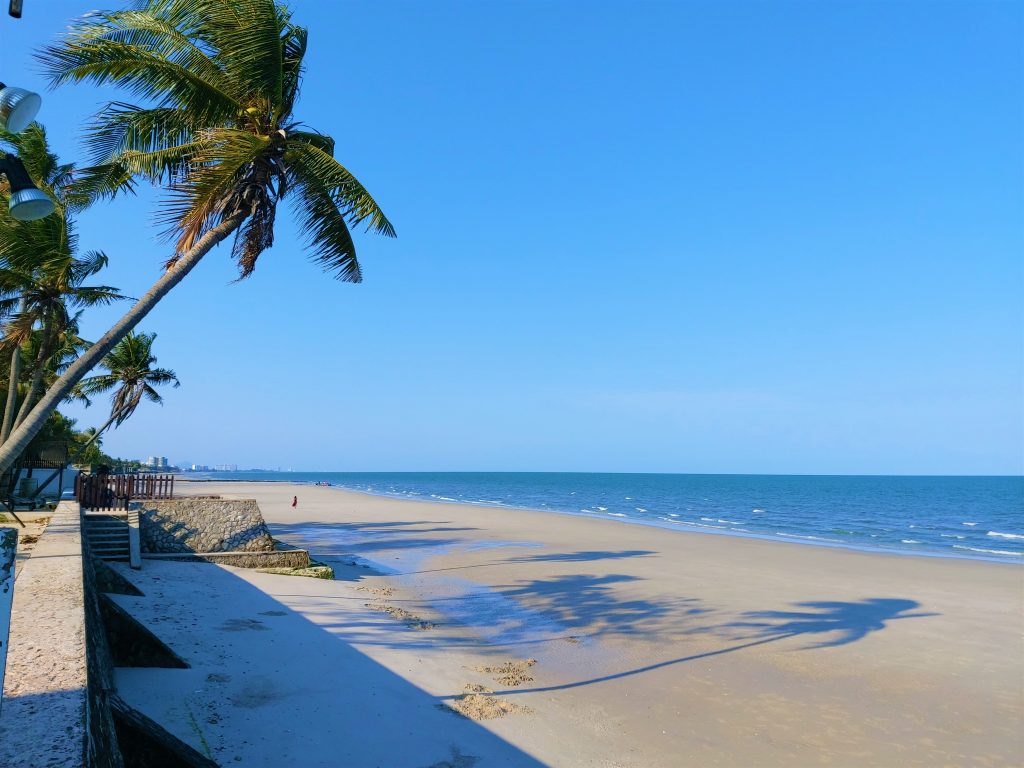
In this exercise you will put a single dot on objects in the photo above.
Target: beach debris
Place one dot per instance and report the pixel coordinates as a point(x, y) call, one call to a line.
point(458, 760)
point(317, 571)
point(511, 673)
point(241, 625)
point(479, 703)
point(410, 619)
point(378, 591)
point(257, 693)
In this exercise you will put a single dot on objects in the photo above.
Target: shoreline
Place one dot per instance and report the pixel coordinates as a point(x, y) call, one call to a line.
point(674, 527)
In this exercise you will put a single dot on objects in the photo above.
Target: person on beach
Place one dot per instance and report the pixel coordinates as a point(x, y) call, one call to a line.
point(295, 501)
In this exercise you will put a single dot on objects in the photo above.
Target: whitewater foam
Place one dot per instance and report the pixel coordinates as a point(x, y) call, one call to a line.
point(809, 538)
point(988, 551)
point(999, 535)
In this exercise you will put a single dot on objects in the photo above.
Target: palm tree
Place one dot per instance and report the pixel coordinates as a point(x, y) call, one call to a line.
point(46, 292)
point(131, 371)
point(41, 279)
point(42, 237)
point(222, 78)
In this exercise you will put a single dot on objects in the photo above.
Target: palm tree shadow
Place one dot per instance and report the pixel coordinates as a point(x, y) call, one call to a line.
point(849, 621)
point(852, 620)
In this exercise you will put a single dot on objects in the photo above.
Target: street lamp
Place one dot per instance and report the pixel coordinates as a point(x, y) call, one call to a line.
point(18, 108)
point(27, 202)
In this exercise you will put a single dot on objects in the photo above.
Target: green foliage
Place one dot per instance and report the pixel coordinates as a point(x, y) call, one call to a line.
point(219, 80)
point(42, 277)
point(131, 372)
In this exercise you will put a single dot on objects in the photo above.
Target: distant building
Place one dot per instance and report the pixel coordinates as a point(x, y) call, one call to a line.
point(157, 462)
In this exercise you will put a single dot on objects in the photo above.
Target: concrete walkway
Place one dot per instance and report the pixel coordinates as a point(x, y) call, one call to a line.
point(42, 720)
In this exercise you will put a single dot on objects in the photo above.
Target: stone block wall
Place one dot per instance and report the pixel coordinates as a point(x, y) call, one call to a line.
point(203, 525)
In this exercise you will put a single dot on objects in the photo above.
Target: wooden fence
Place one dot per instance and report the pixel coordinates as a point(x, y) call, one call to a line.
point(116, 491)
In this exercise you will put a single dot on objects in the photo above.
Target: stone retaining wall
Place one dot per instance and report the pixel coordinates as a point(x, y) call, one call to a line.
point(203, 525)
point(292, 558)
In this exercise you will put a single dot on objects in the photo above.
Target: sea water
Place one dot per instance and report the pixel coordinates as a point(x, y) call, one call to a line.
point(974, 517)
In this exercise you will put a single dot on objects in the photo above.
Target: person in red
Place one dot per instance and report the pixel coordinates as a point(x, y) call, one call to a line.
point(295, 501)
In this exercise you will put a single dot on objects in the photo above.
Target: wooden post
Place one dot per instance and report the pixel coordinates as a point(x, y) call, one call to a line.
point(8, 549)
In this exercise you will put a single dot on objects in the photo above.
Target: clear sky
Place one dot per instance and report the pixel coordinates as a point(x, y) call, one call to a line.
point(668, 237)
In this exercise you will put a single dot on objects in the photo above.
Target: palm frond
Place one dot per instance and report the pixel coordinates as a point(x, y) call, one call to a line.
point(87, 56)
point(329, 239)
point(312, 164)
point(155, 143)
point(247, 37)
point(99, 182)
point(212, 191)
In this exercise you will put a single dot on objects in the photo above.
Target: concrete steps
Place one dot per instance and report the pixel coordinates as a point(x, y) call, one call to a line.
point(107, 535)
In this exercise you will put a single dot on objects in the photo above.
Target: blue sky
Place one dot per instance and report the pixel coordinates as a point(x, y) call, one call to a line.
point(678, 237)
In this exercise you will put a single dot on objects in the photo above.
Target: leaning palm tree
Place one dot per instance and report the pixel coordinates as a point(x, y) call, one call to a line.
point(132, 375)
point(221, 78)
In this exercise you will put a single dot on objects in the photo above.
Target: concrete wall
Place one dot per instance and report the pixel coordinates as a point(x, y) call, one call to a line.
point(203, 525)
point(53, 489)
point(102, 748)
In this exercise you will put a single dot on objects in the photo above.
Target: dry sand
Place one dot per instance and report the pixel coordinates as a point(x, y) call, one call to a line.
point(569, 641)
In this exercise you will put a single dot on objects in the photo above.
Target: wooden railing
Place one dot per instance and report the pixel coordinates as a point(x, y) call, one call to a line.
point(116, 491)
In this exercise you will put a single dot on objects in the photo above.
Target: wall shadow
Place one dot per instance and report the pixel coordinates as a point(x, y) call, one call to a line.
point(295, 691)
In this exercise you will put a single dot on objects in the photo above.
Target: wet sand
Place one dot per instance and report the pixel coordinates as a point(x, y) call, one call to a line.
point(569, 641)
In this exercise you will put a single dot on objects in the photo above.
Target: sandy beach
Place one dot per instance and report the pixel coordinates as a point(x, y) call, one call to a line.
point(569, 641)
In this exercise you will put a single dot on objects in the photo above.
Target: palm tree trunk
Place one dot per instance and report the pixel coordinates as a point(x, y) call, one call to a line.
point(12, 395)
point(11, 407)
point(94, 438)
point(45, 348)
point(23, 434)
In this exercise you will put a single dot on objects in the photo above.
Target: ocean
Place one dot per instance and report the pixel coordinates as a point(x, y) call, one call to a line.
point(972, 517)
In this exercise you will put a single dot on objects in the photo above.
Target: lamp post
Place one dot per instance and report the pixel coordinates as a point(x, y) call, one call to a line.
point(27, 202)
point(18, 108)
